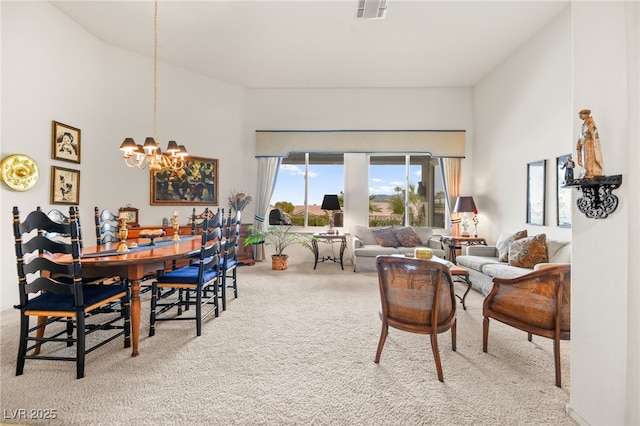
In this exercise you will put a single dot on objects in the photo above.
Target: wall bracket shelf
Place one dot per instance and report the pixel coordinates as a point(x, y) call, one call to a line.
point(597, 201)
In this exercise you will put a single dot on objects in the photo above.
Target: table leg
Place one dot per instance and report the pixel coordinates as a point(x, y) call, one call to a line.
point(343, 245)
point(316, 251)
point(39, 334)
point(135, 316)
point(466, 280)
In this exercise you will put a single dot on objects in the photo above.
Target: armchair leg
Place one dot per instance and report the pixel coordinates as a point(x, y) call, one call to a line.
point(529, 337)
point(485, 334)
point(436, 354)
point(556, 356)
point(454, 334)
point(383, 337)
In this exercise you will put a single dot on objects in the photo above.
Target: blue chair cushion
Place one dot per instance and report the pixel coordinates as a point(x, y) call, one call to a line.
point(187, 275)
point(230, 263)
point(91, 294)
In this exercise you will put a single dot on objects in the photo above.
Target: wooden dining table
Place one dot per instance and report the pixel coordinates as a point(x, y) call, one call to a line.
point(139, 262)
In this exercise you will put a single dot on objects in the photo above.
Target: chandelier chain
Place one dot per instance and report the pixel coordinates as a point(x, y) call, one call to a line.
point(155, 71)
point(150, 154)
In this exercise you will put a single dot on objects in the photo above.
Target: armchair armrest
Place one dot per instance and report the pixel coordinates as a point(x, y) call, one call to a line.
point(538, 302)
point(486, 251)
point(357, 242)
point(548, 265)
point(434, 242)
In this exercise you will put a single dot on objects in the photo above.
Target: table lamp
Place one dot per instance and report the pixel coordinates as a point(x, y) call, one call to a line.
point(330, 202)
point(465, 205)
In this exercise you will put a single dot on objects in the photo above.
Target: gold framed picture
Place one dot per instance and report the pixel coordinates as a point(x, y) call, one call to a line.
point(65, 142)
point(196, 183)
point(65, 186)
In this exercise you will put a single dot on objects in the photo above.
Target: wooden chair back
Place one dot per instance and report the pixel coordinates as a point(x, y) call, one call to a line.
point(107, 226)
point(416, 296)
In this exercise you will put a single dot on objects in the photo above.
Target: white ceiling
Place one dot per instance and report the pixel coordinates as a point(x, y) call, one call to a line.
point(320, 44)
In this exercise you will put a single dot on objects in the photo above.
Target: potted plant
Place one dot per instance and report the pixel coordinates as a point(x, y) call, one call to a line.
point(280, 237)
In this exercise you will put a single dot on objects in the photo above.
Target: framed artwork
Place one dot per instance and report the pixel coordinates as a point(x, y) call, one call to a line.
point(65, 186)
point(536, 192)
point(65, 143)
point(563, 195)
point(196, 183)
point(131, 213)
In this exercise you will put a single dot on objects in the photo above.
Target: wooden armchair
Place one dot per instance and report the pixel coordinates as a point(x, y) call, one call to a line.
point(538, 303)
point(416, 296)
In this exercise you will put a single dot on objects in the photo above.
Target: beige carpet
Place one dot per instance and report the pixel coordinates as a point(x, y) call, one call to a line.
point(296, 347)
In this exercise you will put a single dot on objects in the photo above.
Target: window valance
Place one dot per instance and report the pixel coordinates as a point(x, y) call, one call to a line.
point(438, 143)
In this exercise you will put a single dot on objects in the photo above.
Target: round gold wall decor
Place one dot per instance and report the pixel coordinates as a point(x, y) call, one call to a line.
point(19, 172)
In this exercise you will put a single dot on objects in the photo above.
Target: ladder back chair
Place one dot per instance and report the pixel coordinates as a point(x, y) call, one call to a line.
point(107, 226)
point(229, 260)
point(417, 296)
point(51, 288)
point(176, 290)
point(197, 220)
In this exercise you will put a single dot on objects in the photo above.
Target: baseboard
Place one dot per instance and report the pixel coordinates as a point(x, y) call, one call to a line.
point(575, 416)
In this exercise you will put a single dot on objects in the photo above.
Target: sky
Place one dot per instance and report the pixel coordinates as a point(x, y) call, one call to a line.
point(329, 179)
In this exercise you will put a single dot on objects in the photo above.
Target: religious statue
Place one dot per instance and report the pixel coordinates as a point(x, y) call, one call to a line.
point(588, 146)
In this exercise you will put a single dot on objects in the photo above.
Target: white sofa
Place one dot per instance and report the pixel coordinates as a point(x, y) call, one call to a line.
point(366, 247)
point(483, 263)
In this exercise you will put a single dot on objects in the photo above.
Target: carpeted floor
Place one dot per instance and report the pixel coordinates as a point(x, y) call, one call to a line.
point(296, 347)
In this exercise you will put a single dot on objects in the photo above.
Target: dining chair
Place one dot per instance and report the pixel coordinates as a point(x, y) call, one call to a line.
point(107, 226)
point(52, 290)
point(417, 296)
point(538, 303)
point(197, 220)
point(229, 260)
point(192, 285)
point(59, 217)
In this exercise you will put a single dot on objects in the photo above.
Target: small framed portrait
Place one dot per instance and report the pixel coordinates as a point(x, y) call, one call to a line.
point(131, 213)
point(65, 186)
point(65, 143)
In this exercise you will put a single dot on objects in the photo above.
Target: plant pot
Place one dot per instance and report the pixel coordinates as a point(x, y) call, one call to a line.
point(279, 262)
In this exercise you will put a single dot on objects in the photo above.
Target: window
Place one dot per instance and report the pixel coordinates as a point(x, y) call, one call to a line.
point(303, 180)
point(400, 181)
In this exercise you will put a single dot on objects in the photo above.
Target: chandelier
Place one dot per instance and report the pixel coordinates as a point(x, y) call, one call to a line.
point(150, 154)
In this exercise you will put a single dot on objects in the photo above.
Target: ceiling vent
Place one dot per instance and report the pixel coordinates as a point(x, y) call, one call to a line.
point(371, 9)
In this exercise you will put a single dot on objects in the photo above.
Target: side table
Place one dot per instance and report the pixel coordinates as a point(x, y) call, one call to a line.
point(456, 241)
point(328, 239)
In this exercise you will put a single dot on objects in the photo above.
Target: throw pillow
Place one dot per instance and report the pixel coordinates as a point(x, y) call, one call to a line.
point(386, 237)
point(503, 244)
point(528, 252)
point(407, 236)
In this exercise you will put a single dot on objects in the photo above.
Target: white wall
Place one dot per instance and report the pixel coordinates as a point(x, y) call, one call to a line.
point(52, 69)
point(604, 384)
point(364, 109)
point(523, 113)
point(526, 110)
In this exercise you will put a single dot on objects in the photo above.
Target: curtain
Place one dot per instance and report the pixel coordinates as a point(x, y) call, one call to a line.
point(451, 179)
point(267, 174)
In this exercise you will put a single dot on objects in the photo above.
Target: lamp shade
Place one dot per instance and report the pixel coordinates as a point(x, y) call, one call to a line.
point(464, 204)
point(330, 202)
